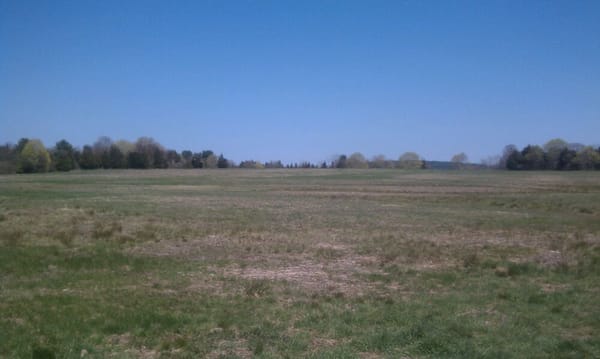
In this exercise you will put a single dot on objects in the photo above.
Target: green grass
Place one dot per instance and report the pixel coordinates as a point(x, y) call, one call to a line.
point(300, 263)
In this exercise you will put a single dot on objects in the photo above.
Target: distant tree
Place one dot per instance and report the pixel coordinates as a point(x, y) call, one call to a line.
point(506, 153)
point(20, 145)
point(125, 147)
point(87, 160)
point(186, 155)
point(63, 156)
point(207, 153)
point(575, 146)
point(101, 150)
point(514, 161)
point(565, 160)
point(210, 161)
point(8, 159)
point(251, 164)
point(459, 160)
point(197, 161)
point(105, 159)
point(173, 159)
point(533, 158)
point(116, 158)
point(555, 144)
point(357, 160)
point(410, 160)
point(274, 164)
point(152, 151)
point(208, 158)
point(378, 161)
point(324, 164)
point(103, 143)
point(342, 162)
point(138, 160)
point(77, 157)
point(160, 157)
point(186, 158)
point(587, 158)
point(222, 162)
point(33, 158)
point(552, 150)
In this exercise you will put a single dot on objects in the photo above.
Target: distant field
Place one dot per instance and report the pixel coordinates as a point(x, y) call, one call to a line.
point(300, 263)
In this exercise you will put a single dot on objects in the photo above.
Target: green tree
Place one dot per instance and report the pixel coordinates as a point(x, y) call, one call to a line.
point(251, 164)
point(552, 150)
point(173, 159)
point(379, 161)
point(210, 161)
point(514, 161)
point(160, 158)
point(8, 159)
point(186, 158)
point(101, 150)
point(125, 147)
point(222, 162)
point(565, 159)
point(357, 160)
point(533, 158)
point(63, 156)
point(587, 158)
point(410, 160)
point(116, 158)
point(197, 161)
point(20, 145)
point(139, 160)
point(33, 158)
point(152, 151)
point(274, 164)
point(186, 155)
point(341, 162)
point(87, 160)
point(459, 160)
point(506, 153)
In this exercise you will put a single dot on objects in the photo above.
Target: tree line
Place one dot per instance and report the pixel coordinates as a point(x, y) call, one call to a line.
point(555, 154)
point(30, 156)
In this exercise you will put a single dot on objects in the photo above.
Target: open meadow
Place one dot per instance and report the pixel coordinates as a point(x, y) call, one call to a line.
point(300, 263)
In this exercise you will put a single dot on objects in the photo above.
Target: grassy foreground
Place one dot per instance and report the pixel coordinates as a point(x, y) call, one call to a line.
point(300, 263)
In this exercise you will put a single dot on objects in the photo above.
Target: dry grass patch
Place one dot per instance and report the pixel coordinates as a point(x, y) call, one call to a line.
point(231, 348)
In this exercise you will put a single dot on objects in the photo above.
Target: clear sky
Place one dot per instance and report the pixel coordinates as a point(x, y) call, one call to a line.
point(302, 80)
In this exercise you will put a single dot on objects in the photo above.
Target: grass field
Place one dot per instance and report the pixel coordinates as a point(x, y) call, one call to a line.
point(300, 263)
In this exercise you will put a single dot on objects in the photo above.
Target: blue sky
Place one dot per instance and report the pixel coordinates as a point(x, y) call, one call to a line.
point(302, 80)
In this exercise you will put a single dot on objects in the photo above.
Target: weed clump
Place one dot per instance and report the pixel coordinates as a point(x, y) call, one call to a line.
point(102, 230)
point(42, 353)
point(11, 237)
point(257, 288)
point(66, 237)
point(471, 261)
point(147, 233)
point(328, 253)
